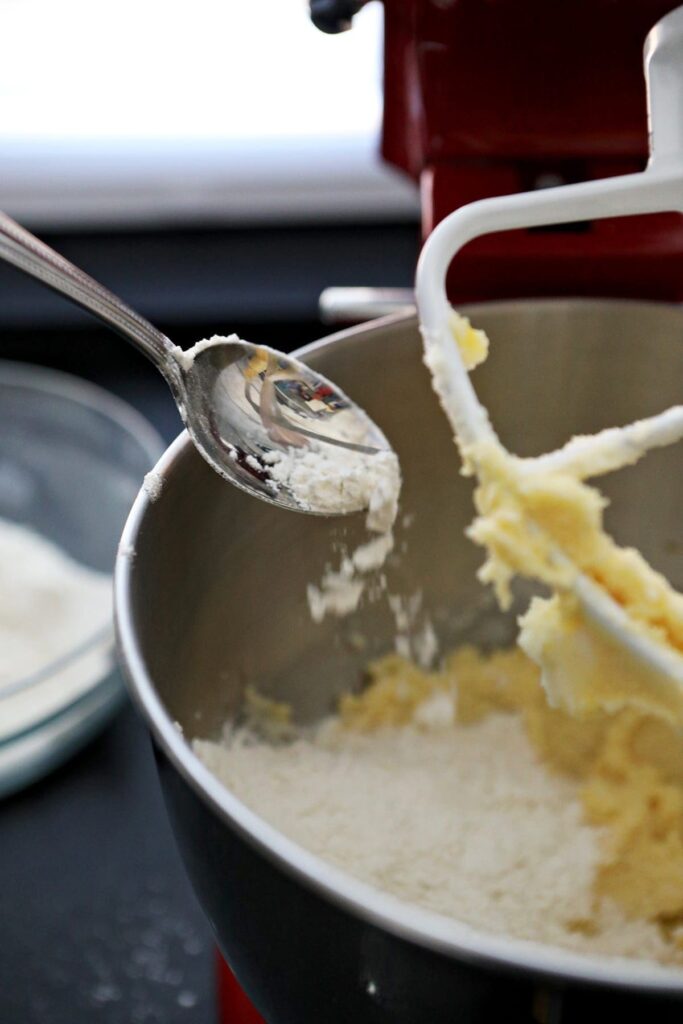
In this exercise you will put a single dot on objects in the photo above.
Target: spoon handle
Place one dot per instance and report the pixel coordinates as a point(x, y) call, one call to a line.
point(19, 247)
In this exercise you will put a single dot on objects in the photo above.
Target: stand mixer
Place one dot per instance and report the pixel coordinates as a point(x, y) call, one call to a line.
point(491, 99)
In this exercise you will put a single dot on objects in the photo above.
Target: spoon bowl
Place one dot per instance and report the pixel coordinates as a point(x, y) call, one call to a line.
point(245, 402)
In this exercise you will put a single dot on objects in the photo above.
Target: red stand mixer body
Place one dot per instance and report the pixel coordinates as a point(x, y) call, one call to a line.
point(490, 97)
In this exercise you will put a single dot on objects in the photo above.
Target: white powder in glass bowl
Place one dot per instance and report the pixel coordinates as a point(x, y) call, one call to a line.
point(49, 607)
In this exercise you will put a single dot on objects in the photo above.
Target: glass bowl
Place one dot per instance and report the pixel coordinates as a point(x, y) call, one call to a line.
point(72, 460)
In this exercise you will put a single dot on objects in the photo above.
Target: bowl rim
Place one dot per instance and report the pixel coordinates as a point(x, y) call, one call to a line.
point(96, 399)
point(411, 923)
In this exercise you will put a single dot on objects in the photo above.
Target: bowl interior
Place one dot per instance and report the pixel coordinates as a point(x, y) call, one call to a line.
point(219, 579)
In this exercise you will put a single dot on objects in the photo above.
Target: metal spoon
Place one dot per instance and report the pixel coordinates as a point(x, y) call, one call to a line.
point(239, 401)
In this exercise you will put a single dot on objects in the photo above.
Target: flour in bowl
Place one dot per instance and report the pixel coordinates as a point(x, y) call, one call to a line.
point(50, 605)
point(460, 791)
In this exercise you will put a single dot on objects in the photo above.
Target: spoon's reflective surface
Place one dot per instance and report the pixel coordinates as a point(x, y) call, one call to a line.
point(239, 401)
point(245, 401)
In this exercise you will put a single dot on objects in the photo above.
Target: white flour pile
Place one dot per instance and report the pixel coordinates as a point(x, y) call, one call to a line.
point(460, 819)
point(49, 605)
point(335, 479)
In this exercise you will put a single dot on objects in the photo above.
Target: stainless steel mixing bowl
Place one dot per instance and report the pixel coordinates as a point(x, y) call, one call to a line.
point(214, 599)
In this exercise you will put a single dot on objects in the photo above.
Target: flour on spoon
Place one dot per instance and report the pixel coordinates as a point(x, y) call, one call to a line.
point(342, 479)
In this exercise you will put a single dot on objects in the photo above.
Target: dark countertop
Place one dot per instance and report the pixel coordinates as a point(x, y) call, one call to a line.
point(99, 922)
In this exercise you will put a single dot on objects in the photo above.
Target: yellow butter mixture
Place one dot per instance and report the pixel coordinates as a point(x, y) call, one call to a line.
point(630, 764)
